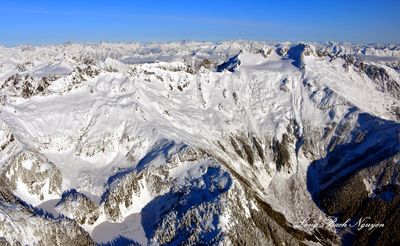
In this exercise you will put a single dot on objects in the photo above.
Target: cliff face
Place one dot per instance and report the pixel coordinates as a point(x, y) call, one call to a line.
point(198, 143)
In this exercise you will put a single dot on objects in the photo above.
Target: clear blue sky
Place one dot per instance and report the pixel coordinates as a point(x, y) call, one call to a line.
point(57, 21)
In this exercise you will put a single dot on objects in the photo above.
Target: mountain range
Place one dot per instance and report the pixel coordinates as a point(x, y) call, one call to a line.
point(200, 143)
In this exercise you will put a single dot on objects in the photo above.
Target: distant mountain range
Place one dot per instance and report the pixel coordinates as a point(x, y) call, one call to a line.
point(200, 143)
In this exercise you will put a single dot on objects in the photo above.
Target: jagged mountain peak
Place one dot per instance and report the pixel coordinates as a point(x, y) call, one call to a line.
point(107, 134)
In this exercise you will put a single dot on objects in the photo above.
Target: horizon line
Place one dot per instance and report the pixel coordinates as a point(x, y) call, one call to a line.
point(143, 42)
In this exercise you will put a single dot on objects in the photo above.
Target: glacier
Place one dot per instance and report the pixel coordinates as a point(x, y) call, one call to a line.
point(188, 143)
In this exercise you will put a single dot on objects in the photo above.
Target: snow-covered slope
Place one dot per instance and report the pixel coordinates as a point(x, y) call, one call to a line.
point(192, 142)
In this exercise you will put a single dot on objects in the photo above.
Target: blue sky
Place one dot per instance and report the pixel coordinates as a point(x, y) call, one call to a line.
point(58, 21)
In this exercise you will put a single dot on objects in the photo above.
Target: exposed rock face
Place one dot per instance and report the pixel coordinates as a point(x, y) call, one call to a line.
point(191, 214)
point(26, 86)
point(362, 185)
point(157, 144)
point(20, 225)
point(121, 194)
point(297, 52)
point(230, 65)
point(378, 74)
point(8, 143)
point(30, 171)
point(78, 207)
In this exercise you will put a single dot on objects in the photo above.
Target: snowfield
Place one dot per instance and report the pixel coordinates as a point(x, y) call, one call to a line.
point(191, 142)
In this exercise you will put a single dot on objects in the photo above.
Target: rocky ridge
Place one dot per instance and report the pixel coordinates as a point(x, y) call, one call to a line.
point(198, 143)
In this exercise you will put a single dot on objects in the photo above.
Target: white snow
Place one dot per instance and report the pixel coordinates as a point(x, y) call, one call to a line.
point(58, 68)
point(49, 207)
point(130, 227)
point(27, 164)
point(188, 171)
point(143, 93)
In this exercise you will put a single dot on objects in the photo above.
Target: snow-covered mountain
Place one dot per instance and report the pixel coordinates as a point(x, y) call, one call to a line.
point(199, 143)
